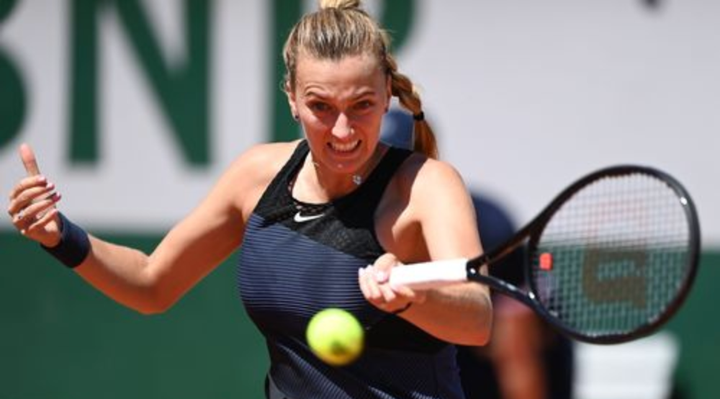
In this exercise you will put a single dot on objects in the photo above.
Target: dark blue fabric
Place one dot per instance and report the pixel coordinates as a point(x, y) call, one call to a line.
point(290, 270)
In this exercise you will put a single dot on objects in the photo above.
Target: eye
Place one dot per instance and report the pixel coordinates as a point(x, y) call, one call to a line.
point(319, 106)
point(363, 105)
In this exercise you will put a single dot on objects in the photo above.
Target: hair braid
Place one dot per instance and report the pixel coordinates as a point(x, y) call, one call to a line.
point(404, 89)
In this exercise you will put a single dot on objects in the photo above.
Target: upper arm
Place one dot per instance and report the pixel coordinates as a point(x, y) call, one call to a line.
point(445, 212)
point(449, 228)
point(435, 220)
point(427, 214)
point(213, 230)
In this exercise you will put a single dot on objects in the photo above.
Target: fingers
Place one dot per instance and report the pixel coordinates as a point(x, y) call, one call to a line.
point(383, 266)
point(29, 190)
point(27, 183)
point(29, 160)
point(375, 291)
point(414, 296)
point(40, 221)
point(374, 284)
point(36, 214)
point(32, 206)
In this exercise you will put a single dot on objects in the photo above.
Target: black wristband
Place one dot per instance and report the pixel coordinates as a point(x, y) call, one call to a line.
point(74, 244)
point(402, 309)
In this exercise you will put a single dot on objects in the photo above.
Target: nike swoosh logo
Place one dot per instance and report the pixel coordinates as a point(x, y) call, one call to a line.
point(299, 218)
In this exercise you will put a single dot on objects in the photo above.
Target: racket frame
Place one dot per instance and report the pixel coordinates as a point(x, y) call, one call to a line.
point(532, 232)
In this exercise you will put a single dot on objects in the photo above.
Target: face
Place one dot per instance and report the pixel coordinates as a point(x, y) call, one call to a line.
point(340, 105)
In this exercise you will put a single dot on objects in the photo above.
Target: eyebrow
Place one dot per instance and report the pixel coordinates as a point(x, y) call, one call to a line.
point(361, 94)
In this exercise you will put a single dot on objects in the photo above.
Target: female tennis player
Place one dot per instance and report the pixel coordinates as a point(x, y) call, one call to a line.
point(310, 216)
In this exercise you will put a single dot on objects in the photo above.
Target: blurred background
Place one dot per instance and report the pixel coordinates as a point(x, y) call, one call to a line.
point(135, 107)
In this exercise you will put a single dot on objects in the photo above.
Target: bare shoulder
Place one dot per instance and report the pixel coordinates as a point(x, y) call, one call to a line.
point(424, 176)
point(429, 213)
point(435, 191)
point(252, 171)
point(263, 160)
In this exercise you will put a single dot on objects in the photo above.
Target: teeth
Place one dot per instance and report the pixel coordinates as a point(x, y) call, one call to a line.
point(345, 147)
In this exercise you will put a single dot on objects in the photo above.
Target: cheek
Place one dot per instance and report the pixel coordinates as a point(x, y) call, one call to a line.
point(373, 124)
point(320, 126)
point(315, 129)
point(316, 124)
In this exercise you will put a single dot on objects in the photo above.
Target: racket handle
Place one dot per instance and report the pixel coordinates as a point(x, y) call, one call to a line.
point(426, 275)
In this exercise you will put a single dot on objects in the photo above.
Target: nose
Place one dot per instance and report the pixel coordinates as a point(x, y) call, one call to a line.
point(342, 128)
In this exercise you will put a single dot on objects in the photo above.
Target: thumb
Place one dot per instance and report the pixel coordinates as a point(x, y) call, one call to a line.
point(383, 266)
point(29, 161)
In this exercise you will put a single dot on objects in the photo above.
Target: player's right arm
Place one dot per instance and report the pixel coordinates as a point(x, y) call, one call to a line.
point(192, 249)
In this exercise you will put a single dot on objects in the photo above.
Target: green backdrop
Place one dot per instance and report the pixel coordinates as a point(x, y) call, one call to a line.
point(59, 338)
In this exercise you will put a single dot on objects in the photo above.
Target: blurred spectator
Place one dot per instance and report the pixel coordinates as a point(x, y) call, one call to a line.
point(526, 358)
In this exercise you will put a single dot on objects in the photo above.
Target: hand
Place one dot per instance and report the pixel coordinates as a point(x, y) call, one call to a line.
point(32, 203)
point(374, 284)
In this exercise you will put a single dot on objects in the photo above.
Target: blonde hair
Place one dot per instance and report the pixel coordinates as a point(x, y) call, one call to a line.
point(342, 28)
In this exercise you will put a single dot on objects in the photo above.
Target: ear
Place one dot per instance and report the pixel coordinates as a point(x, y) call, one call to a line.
point(388, 88)
point(291, 99)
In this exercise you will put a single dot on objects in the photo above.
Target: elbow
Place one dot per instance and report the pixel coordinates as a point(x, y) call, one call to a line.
point(152, 302)
point(483, 338)
point(480, 335)
point(155, 297)
point(486, 324)
point(472, 323)
point(475, 332)
point(470, 337)
point(486, 328)
point(156, 303)
point(151, 309)
point(483, 326)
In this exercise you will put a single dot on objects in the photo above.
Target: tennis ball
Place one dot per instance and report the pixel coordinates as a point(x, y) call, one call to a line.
point(335, 336)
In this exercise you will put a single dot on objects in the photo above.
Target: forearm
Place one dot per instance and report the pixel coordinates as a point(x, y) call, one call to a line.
point(122, 274)
point(459, 314)
point(119, 272)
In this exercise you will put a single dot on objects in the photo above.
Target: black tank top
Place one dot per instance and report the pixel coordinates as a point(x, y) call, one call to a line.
point(297, 259)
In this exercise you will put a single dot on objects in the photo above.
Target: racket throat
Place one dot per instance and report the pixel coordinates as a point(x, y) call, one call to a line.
point(474, 266)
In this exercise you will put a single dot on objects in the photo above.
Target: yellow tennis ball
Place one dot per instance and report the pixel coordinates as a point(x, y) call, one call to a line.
point(335, 336)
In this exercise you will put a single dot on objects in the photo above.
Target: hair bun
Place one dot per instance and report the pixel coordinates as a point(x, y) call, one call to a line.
point(340, 4)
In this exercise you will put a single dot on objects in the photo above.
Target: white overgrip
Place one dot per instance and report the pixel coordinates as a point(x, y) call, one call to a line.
point(426, 275)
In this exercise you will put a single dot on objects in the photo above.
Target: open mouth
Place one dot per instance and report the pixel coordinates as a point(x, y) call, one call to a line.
point(344, 147)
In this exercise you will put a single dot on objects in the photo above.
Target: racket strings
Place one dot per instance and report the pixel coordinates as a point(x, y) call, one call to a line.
point(620, 249)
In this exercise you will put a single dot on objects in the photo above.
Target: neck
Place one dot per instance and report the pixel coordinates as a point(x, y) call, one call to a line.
point(323, 186)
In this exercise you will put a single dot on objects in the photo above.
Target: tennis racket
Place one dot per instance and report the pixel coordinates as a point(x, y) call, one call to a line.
point(609, 260)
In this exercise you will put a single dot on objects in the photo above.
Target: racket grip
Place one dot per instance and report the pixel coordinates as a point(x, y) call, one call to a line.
point(426, 275)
